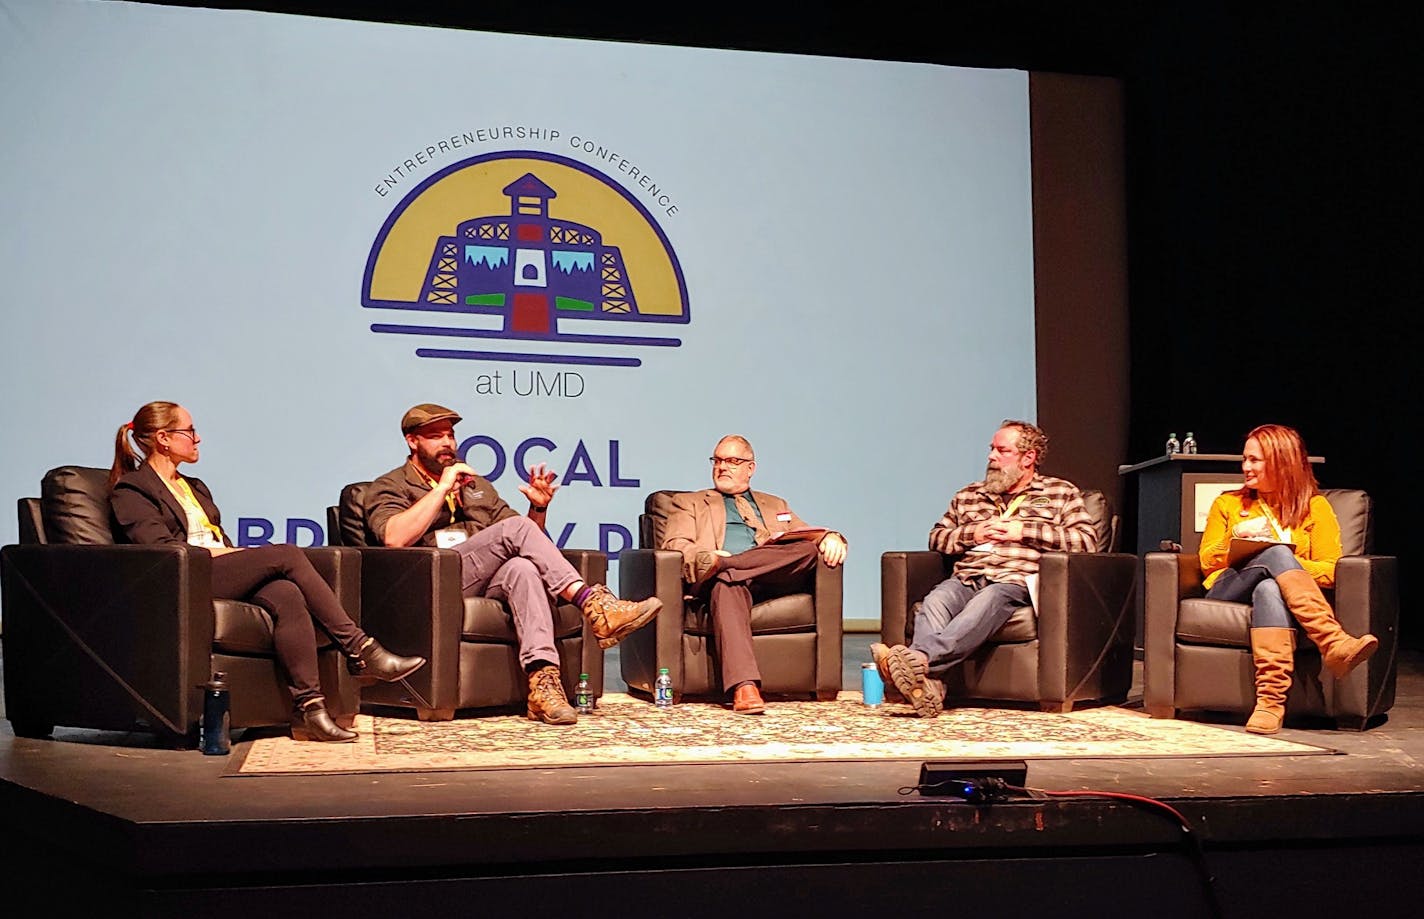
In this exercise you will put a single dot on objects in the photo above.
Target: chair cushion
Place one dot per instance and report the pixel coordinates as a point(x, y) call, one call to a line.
point(1100, 509)
point(74, 505)
point(489, 620)
point(776, 616)
point(1214, 622)
point(1355, 511)
point(652, 524)
point(246, 628)
point(1021, 627)
point(351, 512)
point(241, 628)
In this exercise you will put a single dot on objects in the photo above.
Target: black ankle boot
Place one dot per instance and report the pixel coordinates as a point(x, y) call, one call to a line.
point(311, 722)
point(374, 662)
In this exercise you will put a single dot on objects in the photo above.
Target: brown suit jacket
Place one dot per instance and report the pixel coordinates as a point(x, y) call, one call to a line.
point(698, 522)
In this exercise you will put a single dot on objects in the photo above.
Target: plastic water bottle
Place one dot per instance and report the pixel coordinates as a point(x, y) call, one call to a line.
point(1189, 446)
point(583, 695)
point(662, 689)
point(214, 738)
point(1173, 445)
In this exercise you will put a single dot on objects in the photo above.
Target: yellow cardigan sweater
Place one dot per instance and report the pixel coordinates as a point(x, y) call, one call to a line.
point(1317, 539)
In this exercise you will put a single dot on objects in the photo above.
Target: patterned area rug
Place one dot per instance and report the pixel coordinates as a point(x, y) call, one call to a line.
point(624, 731)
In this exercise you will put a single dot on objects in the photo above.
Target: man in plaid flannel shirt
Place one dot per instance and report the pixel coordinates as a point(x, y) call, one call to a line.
point(997, 528)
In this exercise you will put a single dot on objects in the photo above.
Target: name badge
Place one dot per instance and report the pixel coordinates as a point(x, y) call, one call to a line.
point(450, 537)
point(784, 518)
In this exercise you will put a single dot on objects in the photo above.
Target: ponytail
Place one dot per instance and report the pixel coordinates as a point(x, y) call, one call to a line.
point(134, 440)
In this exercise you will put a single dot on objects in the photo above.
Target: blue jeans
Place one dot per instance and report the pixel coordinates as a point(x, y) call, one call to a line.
point(1256, 582)
point(956, 618)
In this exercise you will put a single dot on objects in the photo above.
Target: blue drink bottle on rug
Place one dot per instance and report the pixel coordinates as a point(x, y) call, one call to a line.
point(214, 738)
point(872, 687)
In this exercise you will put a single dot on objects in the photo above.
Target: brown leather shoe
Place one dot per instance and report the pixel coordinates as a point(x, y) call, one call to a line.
point(613, 619)
point(547, 702)
point(747, 700)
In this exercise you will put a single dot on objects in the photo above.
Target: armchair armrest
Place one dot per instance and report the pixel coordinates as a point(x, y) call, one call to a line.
point(1367, 600)
point(1086, 612)
point(905, 578)
point(103, 636)
point(644, 573)
point(592, 568)
point(412, 603)
point(828, 596)
point(340, 567)
point(1168, 579)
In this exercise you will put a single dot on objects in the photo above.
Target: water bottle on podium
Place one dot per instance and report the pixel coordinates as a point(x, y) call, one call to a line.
point(1174, 446)
point(662, 689)
point(1189, 446)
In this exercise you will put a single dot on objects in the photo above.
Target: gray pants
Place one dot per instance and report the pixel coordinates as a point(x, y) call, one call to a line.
point(515, 562)
point(957, 617)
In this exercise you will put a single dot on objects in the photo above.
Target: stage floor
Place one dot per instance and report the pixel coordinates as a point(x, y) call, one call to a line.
point(102, 812)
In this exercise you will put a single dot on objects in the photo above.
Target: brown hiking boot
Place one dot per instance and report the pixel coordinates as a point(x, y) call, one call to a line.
point(613, 619)
point(547, 702)
point(910, 674)
point(881, 655)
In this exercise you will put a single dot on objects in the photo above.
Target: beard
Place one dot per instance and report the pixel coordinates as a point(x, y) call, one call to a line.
point(434, 462)
point(999, 479)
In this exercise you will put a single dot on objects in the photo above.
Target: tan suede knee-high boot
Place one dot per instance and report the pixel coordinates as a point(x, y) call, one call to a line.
point(1273, 653)
point(1340, 650)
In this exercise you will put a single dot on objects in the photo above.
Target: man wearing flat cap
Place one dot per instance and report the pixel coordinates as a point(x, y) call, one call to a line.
point(433, 499)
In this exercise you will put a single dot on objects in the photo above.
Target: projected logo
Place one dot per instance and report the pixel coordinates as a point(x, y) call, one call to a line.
point(528, 257)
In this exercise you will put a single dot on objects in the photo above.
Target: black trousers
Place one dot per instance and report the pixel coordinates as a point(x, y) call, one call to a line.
point(281, 581)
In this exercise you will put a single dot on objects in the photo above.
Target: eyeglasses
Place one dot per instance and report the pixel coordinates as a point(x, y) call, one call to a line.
point(191, 432)
point(733, 461)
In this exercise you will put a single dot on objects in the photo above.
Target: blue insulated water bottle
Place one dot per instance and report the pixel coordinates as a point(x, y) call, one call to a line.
point(872, 687)
point(214, 739)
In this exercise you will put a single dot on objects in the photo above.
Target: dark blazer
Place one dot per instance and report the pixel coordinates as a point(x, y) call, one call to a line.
point(144, 511)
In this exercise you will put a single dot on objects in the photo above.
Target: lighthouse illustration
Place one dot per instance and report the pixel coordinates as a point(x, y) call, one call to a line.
point(535, 270)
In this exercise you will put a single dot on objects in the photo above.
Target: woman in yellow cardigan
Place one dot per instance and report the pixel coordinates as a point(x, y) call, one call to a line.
point(1279, 503)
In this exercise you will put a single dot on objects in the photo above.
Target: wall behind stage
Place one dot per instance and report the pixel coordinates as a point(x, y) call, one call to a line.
point(241, 211)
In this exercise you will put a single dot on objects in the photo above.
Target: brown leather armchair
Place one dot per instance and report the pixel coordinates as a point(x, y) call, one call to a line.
point(1196, 652)
point(119, 637)
point(1076, 647)
point(796, 637)
point(411, 597)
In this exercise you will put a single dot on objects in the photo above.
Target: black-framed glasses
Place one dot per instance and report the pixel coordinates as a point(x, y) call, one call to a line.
point(733, 461)
point(191, 432)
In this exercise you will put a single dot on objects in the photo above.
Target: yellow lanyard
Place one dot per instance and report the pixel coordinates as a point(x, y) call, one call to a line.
point(184, 493)
point(449, 495)
point(1013, 506)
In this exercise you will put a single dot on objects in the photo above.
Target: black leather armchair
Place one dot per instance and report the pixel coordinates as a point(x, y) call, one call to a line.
point(411, 597)
point(796, 637)
point(1075, 647)
point(1196, 652)
point(119, 637)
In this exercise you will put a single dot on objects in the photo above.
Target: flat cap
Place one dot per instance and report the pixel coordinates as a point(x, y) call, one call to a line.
point(426, 413)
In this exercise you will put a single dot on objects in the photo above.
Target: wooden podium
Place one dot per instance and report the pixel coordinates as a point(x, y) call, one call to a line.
point(1174, 493)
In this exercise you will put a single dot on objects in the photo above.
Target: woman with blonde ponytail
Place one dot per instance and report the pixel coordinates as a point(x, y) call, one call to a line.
point(153, 503)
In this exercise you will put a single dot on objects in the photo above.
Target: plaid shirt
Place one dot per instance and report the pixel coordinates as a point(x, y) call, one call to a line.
point(1054, 519)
